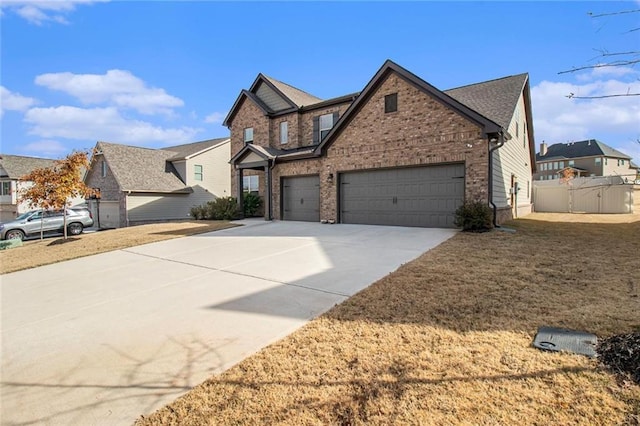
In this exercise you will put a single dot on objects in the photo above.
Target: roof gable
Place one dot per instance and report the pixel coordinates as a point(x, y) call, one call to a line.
point(297, 97)
point(586, 148)
point(244, 95)
point(141, 169)
point(371, 87)
point(187, 151)
point(17, 166)
point(495, 99)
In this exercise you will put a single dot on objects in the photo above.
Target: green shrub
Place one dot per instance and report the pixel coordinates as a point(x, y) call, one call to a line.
point(474, 216)
point(223, 208)
point(198, 212)
point(251, 203)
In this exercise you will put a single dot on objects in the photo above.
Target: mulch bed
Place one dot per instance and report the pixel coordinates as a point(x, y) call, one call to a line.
point(621, 354)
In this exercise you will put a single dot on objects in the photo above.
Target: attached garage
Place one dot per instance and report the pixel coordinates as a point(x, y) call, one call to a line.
point(413, 196)
point(301, 198)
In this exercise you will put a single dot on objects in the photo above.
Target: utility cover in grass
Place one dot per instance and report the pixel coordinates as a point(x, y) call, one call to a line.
point(561, 339)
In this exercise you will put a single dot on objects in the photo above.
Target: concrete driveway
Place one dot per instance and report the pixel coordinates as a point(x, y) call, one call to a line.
point(103, 339)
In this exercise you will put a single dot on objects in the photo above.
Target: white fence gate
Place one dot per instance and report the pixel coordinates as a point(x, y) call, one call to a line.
point(584, 195)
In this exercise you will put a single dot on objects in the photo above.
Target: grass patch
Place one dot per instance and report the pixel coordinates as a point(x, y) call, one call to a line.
point(446, 339)
point(47, 251)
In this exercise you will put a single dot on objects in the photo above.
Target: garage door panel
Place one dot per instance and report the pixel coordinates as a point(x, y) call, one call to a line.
point(419, 196)
point(301, 198)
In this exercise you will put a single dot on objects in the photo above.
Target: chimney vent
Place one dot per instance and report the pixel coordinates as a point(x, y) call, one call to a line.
point(543, 148)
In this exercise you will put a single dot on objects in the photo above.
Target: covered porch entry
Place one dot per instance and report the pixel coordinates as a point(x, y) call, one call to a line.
point(253, 157)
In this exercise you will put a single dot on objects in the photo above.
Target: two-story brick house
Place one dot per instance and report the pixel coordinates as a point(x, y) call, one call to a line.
point(400, 152)
point(583, 158)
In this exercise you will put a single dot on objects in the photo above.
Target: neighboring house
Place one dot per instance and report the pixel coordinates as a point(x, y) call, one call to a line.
point(584, 159)
point(400, 152)
point(12, 169)
point(140, 185)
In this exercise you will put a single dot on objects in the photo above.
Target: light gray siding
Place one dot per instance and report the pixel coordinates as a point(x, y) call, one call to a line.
point(271, 98)
point(514, 159)
point(216, 171)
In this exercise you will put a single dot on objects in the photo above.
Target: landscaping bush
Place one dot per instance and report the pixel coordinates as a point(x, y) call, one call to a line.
point(251, 204)
point(223, 208)
point(474, 216)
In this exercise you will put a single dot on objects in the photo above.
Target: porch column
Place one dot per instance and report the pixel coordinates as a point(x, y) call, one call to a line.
point(267, 193)
point(239, 191)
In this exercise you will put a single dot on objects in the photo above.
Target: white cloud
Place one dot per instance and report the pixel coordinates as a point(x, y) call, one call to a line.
point(40, 11)
point(214, 118)
point(103, 124)
point(11, 101)
point(46, 148)
point(615, 121)
point(116, 87)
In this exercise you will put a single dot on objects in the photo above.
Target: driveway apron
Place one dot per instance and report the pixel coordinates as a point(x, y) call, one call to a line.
point(103, 339)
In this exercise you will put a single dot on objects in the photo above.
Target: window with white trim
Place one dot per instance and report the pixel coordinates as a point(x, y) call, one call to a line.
point(5, 188)
point(598, 160)
point(572, 163)
point(197, 172)
point(250, 184)
point(284, 132)
point(248, 135)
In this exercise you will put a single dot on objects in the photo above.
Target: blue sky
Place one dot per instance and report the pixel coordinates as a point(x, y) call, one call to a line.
point(161, 73)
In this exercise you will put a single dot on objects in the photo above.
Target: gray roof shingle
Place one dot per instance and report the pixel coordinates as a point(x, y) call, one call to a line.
point(586, 148)
point(295, 95)
point(142, 169)
point(17, 166)
point(495, 99)
point(185, 151)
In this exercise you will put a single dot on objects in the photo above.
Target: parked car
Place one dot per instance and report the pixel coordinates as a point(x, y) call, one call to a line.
point(48, 221)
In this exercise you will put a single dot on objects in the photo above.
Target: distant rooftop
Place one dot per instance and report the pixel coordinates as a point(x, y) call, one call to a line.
point(586, 148)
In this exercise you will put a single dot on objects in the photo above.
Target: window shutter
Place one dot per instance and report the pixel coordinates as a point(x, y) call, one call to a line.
point(316, 130)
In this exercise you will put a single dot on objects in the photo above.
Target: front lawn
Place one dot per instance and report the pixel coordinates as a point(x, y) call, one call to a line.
point(446, 339)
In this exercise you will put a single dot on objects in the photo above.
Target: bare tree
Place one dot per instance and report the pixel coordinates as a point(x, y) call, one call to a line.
point(608, 59)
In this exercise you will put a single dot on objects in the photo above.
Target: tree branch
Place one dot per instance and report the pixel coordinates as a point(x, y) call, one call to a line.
point(609, 64)
point(572, 96)
point(622, 12)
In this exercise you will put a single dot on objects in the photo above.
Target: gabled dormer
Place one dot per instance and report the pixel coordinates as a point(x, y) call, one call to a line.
point(276, 115)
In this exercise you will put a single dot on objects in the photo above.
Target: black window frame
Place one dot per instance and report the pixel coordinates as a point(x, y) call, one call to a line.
point(391, 103)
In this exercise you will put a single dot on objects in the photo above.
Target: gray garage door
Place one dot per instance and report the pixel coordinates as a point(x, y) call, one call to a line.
point(417, 196)
point(301, 198)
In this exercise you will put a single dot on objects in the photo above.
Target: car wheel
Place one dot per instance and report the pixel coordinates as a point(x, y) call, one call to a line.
point(75, 228)
point(14, 234)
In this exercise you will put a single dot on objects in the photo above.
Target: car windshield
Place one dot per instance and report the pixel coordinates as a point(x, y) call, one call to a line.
point(23, 216)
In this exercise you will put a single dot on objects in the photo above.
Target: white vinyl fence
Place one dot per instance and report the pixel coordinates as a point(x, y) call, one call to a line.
point(584, 195)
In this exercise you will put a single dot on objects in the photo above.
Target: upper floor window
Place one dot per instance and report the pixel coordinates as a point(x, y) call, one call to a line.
point(555, 165)
point(391, 103)
point(250, 184)
point(284, 132)
point(197, 172)
point(560, 165)
point(598, 160)
point(621, 162)
point(322, 125)
point(572, 163)
point(606, 161)
point(248, 135)
point(5, 188)
point(517, 129)
point(104, 168)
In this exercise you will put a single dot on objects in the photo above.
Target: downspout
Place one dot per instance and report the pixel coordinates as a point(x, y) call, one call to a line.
point(499, 142)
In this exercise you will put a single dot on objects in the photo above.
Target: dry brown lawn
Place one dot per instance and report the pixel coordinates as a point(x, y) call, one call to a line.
point(446, 339)
point(52, 250)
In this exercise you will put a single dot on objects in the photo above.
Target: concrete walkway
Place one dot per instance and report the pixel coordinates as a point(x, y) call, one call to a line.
point(103, 339)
